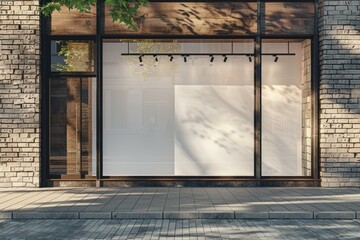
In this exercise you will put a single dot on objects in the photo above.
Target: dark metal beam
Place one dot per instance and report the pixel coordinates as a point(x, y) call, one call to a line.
point(99, 89)
point(257, 98)
point(44, 98)
point(315, 88)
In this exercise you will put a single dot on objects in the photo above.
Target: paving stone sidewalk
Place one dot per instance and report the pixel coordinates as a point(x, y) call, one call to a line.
point(180, 203)
point(248, 229)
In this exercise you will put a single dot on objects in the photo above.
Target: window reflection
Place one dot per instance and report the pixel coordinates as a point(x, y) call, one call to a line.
point(72, 127)
point(72, 56)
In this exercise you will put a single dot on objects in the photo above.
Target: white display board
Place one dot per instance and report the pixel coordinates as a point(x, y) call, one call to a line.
point(192, 118)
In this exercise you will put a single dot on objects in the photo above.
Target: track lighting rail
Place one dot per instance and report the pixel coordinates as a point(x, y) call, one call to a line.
point(211, 55)
point(187, 54)
point(205, 54)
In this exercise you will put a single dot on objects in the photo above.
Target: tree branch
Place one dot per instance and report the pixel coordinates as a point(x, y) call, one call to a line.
point(122, 11)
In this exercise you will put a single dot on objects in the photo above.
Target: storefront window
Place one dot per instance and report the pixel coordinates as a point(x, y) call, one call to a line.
point(72, 127)
point(72, 56)
point(286, 108)
point(198, 89)
point(190, 18)
point(73, 22)
point(178, 115)
point(289, 17)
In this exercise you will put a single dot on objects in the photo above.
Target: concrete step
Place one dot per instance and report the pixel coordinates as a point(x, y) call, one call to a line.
point(180, 215)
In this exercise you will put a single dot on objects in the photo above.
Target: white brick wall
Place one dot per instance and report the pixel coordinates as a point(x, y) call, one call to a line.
point(19, 94)
point(340, 93)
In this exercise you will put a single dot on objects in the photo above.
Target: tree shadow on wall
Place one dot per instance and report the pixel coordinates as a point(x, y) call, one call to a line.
point(225, 18)
point(289, 18)
point(204, 19)
point(340, 87)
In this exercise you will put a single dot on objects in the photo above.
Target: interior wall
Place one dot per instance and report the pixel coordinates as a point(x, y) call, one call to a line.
point(282, 110)
point(306, 106)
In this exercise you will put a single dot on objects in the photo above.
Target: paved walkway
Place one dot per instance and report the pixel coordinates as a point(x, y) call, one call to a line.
point(179, 229)
point(180, 203)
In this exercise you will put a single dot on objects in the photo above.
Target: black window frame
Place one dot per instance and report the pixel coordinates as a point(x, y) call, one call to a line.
point(98, 39)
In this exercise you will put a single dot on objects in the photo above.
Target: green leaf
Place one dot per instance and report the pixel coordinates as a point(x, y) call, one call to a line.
point(122, 11)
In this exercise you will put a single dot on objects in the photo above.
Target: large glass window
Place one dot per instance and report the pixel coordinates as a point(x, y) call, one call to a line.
point(72, 56)
point(290, 17)
point(286, 108)
point(73, 22)
point(72, 127)
point(191, 18)
point(178, 104)
point(177, 114)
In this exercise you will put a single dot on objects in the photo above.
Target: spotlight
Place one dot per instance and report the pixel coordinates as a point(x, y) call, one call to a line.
point(276, 58)
point(250, 59)
point(156, 58)
point(171, 58)
point(185, 60)
point(225, 58)
point(212, 58)
point(140, 60)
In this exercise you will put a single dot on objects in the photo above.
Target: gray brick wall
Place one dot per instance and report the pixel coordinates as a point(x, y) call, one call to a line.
point(306, 106)
point(19, 94)
point(340, 93)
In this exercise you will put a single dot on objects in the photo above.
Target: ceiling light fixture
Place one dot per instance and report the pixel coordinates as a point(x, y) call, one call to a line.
point(141, 60)
point(225, 58)
point(276, 58)
point(171, 58)
point(156, 58)
point(212, 58)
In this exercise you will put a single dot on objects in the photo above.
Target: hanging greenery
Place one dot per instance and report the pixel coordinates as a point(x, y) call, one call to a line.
point(123, 11)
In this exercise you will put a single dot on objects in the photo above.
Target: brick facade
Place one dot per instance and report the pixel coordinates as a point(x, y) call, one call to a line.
point(339, 30)
point(19, 94)
point(306, 106)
